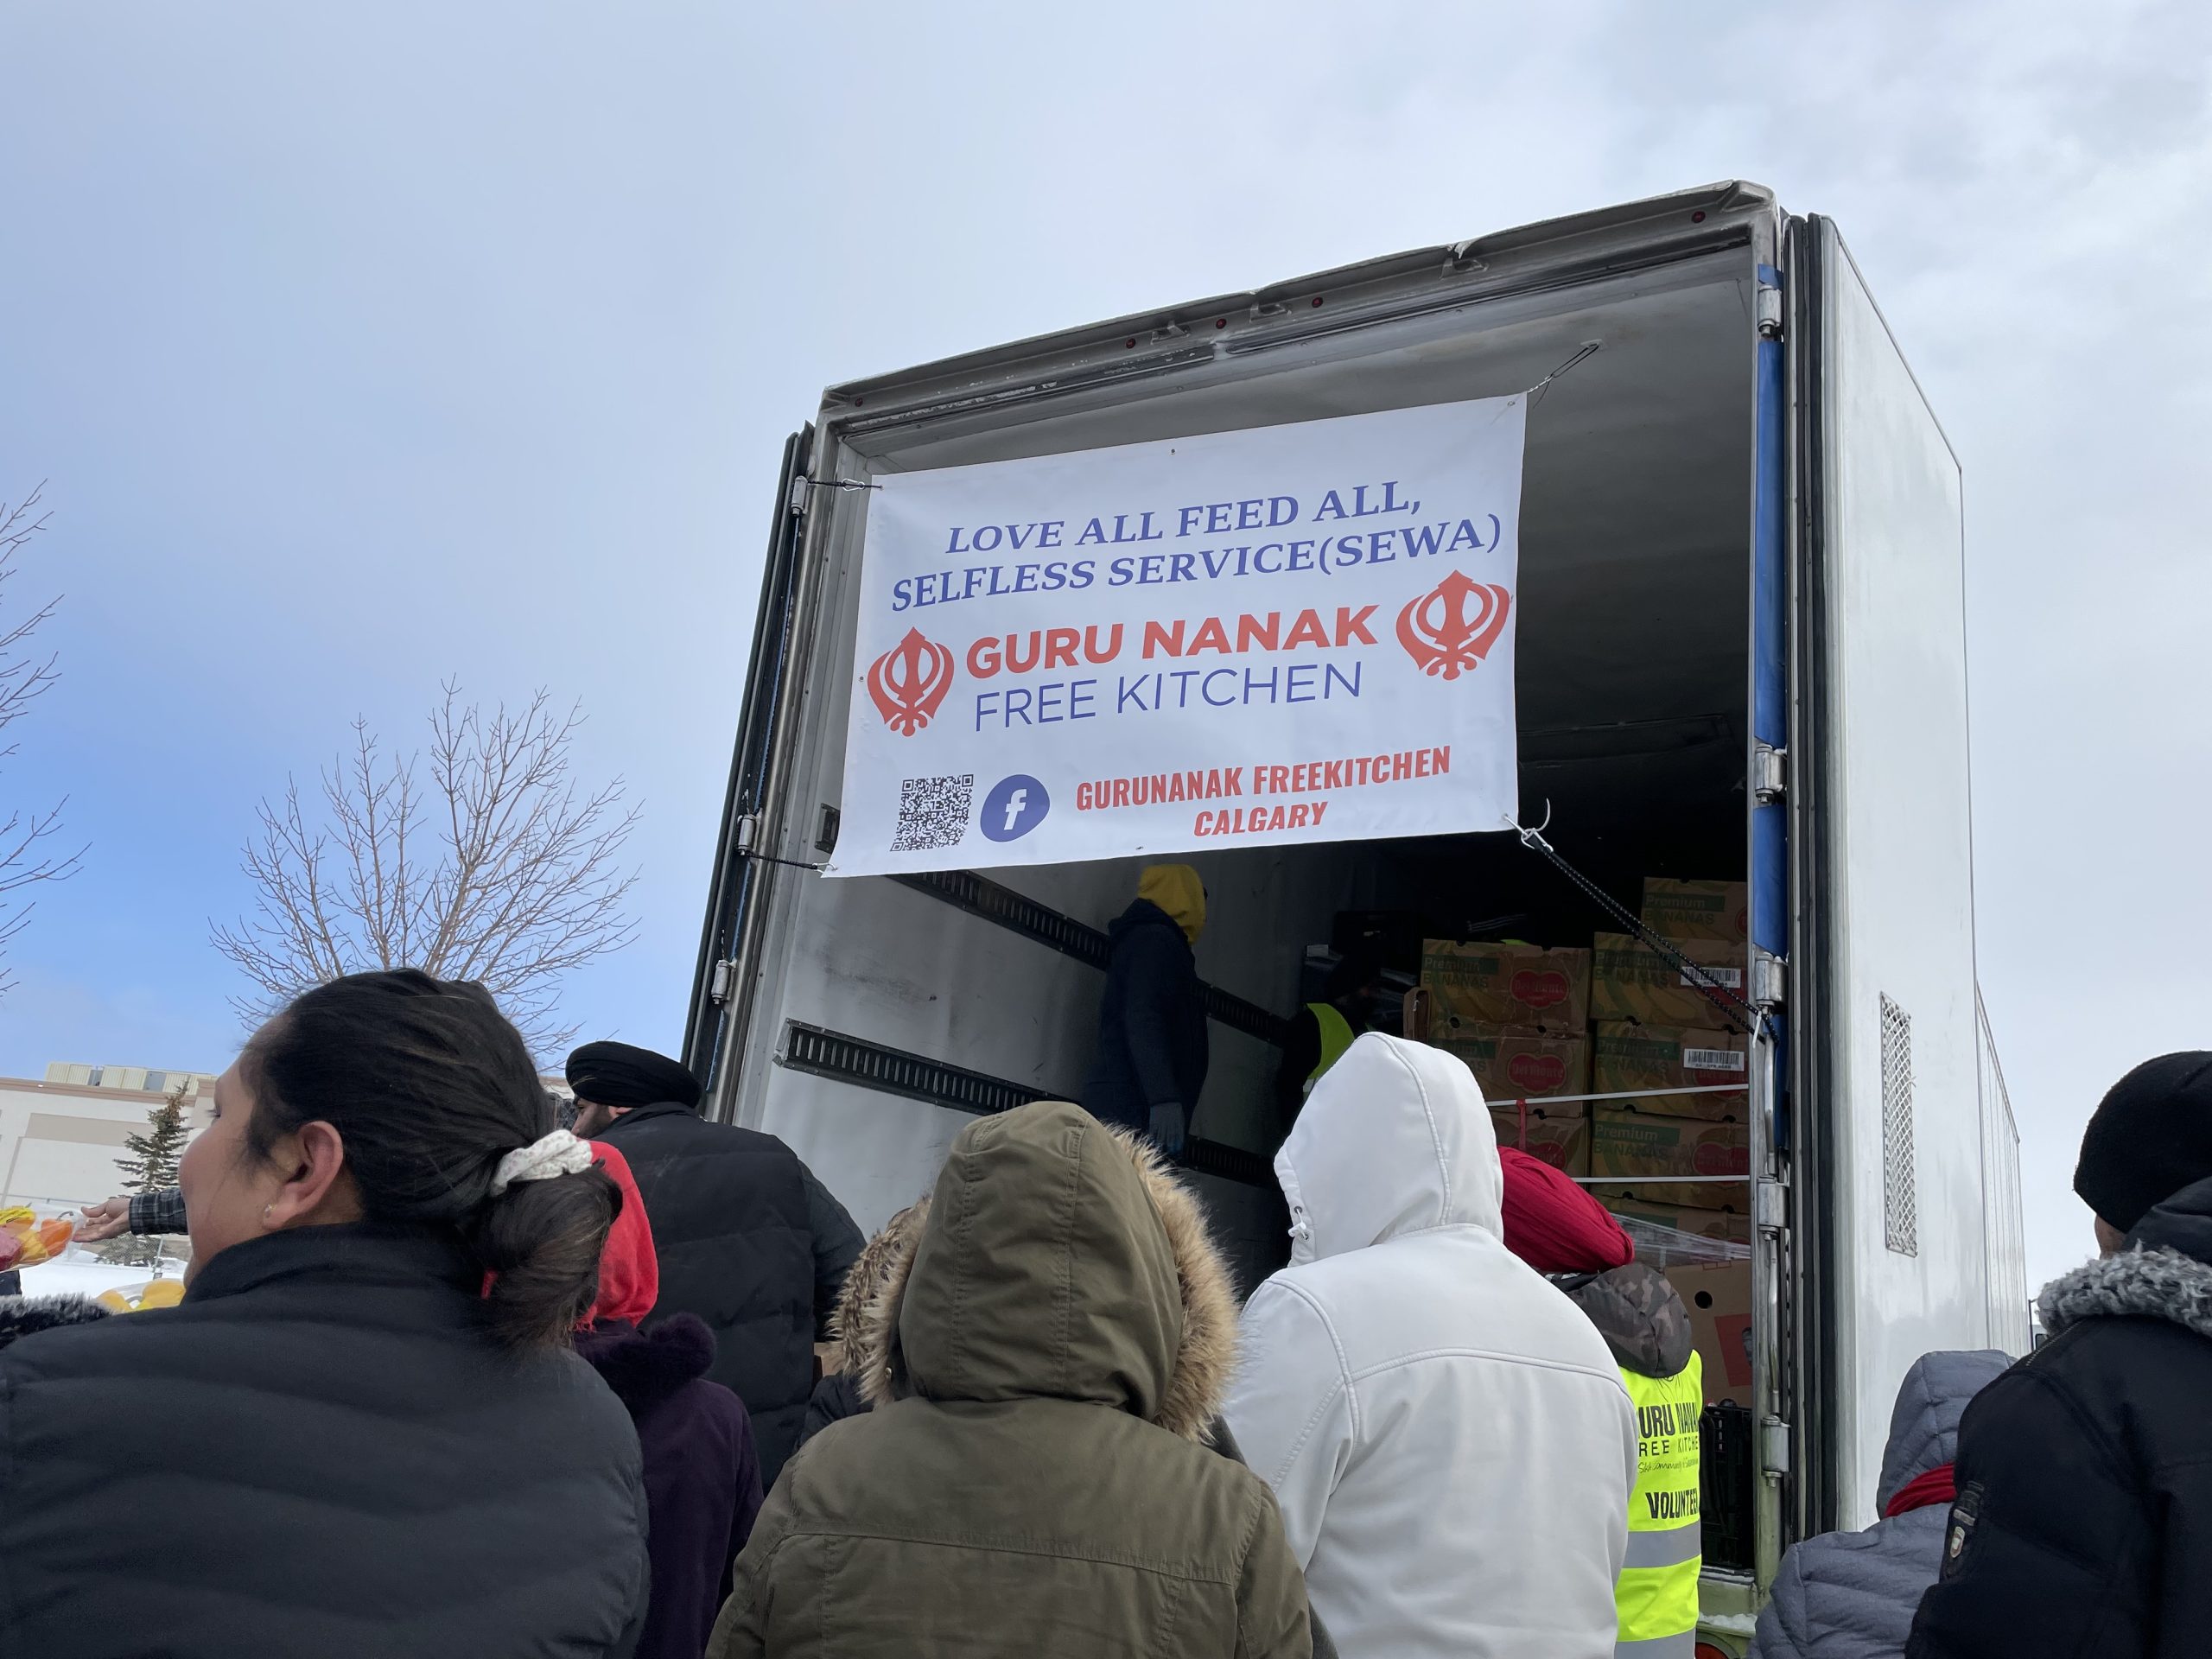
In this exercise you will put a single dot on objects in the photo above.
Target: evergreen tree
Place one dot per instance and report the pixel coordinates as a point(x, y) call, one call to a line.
point(151, 1166)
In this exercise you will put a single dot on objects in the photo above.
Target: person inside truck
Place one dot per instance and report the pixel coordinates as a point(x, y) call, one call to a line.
point(1151, 1021)
point(747, 1239)
point(1321, 1032)
point(2083, 1520)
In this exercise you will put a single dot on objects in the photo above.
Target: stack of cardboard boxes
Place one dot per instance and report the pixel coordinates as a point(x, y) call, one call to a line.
point(1656, 1029)
point(1519, 1016)
point(1620, 1018)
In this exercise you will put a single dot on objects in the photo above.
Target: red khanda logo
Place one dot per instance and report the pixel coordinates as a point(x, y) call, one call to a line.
point(1452, 627)
point(909, 680)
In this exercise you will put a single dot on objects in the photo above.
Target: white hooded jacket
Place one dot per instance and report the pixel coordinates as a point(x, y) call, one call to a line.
point(1446, 1434)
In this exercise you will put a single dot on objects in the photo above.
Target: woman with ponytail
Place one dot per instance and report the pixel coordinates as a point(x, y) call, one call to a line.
point(364, 1430)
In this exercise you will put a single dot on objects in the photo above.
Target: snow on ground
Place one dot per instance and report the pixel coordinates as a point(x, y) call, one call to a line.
point(70, 1277)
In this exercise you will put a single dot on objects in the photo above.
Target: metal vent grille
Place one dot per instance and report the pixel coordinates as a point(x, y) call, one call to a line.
point(1900, 1195)
point(894, 1072)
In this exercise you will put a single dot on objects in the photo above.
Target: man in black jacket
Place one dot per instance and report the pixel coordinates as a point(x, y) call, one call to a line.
point(2083, 1521)
point(1152, 1050)
point(748, 1240)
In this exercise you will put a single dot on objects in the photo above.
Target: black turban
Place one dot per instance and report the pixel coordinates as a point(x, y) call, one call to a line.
point(621, 1074)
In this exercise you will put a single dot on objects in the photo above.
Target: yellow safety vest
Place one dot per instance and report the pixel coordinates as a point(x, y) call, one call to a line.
point(1657, 1597)
point(1337, 1036)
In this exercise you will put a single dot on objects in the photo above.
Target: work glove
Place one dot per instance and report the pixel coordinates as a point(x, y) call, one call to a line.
point(1168, 1129)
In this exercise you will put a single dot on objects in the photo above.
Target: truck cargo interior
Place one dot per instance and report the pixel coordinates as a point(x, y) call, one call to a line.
point(903, 1005)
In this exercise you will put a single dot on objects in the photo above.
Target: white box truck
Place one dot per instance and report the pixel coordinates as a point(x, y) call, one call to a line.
point(1741, 654)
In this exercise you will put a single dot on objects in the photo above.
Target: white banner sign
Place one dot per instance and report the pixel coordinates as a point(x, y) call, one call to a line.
point(1292, 633)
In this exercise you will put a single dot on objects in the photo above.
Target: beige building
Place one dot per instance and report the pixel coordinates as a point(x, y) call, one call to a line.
point(59, 1138)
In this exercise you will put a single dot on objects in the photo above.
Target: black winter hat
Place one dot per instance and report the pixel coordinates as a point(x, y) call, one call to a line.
point(622, 1074)
point(2150, 1137)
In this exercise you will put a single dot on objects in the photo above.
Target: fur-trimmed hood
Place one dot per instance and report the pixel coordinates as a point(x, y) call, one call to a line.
point(849, 1323)
point(2153, 1284)
point(2164, 1272)
point(1057, 1259)
point(26, 1316)
point(644, 1367)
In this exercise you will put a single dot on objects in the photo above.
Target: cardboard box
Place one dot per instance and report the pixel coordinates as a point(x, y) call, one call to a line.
point(1515, 1063)
point(1509, 984)
point(1719, 1303)
point(1560, 1137)
point(1624, 1057)
point(1697, 910)
point(1733, 1227)
point(1625, 1144)
point(1629, 980)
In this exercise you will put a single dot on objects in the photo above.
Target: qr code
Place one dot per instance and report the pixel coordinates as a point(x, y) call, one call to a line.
point(933, 812)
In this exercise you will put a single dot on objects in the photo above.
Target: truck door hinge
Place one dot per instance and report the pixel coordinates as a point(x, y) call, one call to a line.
point(1770, 981)
point(1769, 774)
point(748, 832)
point(1769, 311)
point(718, 986)
point(801, 484)
point(1774, 1447)
point(1770, 1204)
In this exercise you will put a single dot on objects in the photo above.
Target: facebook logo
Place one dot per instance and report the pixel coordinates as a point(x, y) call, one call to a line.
point(1014, 807)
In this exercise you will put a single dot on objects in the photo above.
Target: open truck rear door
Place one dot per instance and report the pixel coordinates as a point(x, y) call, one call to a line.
point(719, 1001)
point(1885, 1127)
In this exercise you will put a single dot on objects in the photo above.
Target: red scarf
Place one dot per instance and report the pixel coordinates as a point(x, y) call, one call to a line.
point(1936, 1486)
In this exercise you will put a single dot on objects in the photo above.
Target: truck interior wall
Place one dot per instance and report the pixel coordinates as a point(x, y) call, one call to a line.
point(1631, 691)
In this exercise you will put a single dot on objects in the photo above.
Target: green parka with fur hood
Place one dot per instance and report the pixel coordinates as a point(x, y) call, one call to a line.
point(1044, 1362)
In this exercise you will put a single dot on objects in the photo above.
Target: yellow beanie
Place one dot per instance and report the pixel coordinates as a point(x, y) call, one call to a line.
point(1177, 890)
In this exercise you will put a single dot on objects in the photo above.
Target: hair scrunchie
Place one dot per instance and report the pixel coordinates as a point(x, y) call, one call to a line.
point(557, 1153)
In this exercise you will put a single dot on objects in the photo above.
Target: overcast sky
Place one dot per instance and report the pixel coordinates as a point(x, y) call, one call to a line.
point(363, 345)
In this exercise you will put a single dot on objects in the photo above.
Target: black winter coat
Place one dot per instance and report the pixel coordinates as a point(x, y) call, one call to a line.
point(1152, 1022)
point(321, 1451)
point(2083, 1524)
point(702, 1474)
point(751, 1244)
point(835, 1398)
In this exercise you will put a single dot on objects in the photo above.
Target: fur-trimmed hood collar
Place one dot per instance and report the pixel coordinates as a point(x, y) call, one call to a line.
point(2164, 1273)
point(26, 1316)
point(1057, 1259)
point(871, 1270)
point(644, 1367)
point(2138, 1283)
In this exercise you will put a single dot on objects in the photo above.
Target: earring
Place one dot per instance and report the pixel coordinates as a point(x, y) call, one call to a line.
point(266, 1208)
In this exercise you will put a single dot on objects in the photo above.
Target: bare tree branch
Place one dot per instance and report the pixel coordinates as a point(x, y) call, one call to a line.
point(502, 871)
point(26, 859)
